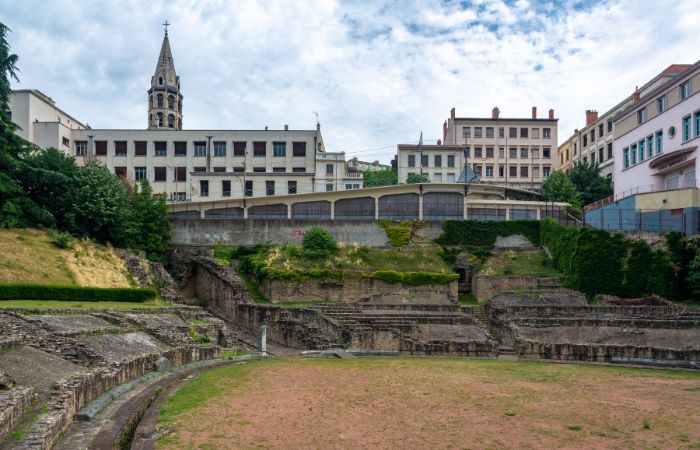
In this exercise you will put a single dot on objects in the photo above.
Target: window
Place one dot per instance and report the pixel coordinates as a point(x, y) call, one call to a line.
point(258, 169)
point(585, 141)
point(279, 169)
point(299, 169)
point(501, 152)
point(291, 187)
point(477, 152)
point(489, 171)
point(329, 187)
point(140, 148)
point(171, 121)
point(523, 132)
point(641, 115)
point(248, 188)
point(219, 148)
point(535, 133)
point(140, 173)
point(329, 169)
point(120, 148)
point(501, 171)
point(8, 116)
point(466, 152)
point(513, 132)
point(585, 159)
point(238, 169)
point(437, 178)
point(641, 150)
point(625, 158)
point(269, 188)
point(477, 169)
point(180, 148)
point(279, 149)
point(659, 141)
point(424, 160)
point(66, 142)
point(159, 116)
point(450, 160)
point(696, 120)
point(501, 132)
point(477, 132)
point(80, 148)
point(219, 169)
point(239, 149)
point(513, 171)
point(200, 169)
point(259, 149)
point(685, 90)
point(200, 148)
point(546, 133)
point(513, 153)
point(633, 150)
point(438, 161)
point(466, 132)
point(610, 150)
point(535, 153)
point(450, 178)
point(545, 171)
point(535, 172)
point(592, 136)
point(546, 152)
point(686, 128)
point(489, 152)
point(101, 148)
point(411, 160)
point(523, 172)
point(349, 187)
point(299, 149)
point(661, 104)
point(204, 188)
point(593, 158)
point(601, 130)
point(489, 132)
point(160, 97)
point(523, 153)
point(225, 188)
point(610, 126)
point(181, 174)
point(120, 171)
point(650, 146)
point(601, 155)
point(159, 174)
point(161, 148)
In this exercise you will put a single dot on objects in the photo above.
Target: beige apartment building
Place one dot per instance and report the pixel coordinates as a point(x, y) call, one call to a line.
point(594, 143)
point(189, 165)
point(517, 152)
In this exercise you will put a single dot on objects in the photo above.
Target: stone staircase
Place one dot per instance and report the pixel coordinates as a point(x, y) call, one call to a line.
point(480, 314)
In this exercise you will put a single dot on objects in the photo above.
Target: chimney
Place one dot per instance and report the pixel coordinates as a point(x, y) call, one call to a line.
point(551, 114)
point(495, 112)
point(286, 127)
point(444, 130)
point(452, 113)
point(534, 112)
point(636, 96)
point(591, 116)
point(439, 142)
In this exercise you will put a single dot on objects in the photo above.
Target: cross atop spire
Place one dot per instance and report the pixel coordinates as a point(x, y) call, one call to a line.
point(165, 24)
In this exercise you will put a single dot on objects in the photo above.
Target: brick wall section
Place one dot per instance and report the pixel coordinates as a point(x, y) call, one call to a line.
point(13, 403)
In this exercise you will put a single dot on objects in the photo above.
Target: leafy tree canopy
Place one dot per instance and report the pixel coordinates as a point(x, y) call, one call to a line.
point(589, 183)
point(417, 178)
point(559, 188)
point(374, 178)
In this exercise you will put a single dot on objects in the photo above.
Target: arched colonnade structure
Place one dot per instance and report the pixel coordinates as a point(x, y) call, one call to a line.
point(430, 202)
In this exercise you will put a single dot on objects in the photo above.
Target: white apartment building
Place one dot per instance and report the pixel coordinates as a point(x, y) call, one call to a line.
point(188, 165)
point(517, 152)
point(594, 144)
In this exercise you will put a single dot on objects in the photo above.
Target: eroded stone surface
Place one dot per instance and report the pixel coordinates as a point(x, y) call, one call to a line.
point(119, 346)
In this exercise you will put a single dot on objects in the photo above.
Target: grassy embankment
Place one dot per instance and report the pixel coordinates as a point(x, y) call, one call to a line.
point(29, 256)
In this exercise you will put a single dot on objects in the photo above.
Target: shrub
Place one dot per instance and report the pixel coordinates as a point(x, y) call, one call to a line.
point(60, 239)
point(318, 243)
point(21, 291)
point(413, 278)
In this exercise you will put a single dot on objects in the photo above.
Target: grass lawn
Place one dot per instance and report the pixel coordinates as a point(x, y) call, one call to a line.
point(365, 259)
point(533, 263)
point(56, 304)
point(432, 403)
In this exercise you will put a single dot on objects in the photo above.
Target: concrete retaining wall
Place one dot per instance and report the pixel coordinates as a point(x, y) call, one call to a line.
point(601, 352)
point(251, 232)
point(360, 289)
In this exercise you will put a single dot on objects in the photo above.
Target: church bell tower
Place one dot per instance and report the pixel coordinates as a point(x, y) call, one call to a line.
point(164, 97)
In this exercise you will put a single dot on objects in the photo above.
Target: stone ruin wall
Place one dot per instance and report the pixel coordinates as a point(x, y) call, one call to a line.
point(485, 287)
point(13, 403)
point(354, 290)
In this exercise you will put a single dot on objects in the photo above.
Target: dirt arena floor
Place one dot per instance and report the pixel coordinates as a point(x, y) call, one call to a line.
point(432, 403)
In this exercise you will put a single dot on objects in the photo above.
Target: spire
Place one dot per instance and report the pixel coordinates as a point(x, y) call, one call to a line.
point(165, 68)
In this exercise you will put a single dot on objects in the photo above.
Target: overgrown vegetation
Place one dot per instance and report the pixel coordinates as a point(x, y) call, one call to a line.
point(599, 262)
point(479, 236)
point(22, 291)
point(581, 185)
point(375, 178)
point(530, 263)
point(400, 233)
point(45, 188)
point(319, 244)
point(413, 278)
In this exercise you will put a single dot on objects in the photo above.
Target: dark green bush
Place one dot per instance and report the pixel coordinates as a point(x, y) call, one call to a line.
point(319, 244)
point(20, 291)
point(60, 239)
point(483, 233)
point(413, 278)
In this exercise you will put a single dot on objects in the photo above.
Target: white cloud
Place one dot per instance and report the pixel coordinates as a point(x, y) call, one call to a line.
point(377, 73)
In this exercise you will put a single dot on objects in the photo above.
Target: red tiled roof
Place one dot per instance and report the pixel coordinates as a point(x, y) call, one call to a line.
point(675, 68)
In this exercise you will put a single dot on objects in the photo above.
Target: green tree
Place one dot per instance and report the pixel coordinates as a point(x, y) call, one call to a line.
point(590, 185)
point(559, 188)
point(150, 228)
point(417, 178)
point(374, 178)
point(318, 243)
point(693, 278)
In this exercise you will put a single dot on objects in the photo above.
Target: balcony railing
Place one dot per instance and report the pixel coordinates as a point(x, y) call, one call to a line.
point(644, 189)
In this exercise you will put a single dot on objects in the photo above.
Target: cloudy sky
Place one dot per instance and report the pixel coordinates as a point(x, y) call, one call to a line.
point(376, 72)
